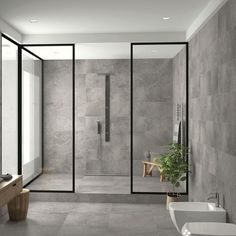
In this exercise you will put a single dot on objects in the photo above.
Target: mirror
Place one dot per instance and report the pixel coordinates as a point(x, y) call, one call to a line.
point(159, 119)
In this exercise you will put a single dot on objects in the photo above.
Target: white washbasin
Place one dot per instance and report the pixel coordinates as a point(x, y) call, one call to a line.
point(183, 212)
point(208, 229)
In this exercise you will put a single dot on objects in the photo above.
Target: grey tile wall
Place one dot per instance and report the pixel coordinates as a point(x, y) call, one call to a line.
point(212, 87)
point(179, 83)
point(90, 106)
point(57, 112)
point(152, 108)
point(153, 93)
point(179, 93)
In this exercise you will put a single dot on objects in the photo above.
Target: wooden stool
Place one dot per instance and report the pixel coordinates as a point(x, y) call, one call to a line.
point(148, 168)
point(18, 207)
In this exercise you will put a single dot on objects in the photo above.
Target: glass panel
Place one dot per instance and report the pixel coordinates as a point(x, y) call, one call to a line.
point(9, 107)
point(103, 118)
point(159, 117)
point(57, 118)
point(31, 116)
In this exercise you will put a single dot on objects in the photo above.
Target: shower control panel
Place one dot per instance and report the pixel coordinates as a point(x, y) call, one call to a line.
point(99, 126)
point(107, 107)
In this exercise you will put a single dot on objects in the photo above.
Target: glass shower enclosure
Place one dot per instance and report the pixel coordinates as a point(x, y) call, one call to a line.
point(96, 109)
point(159, 113)
point(31, 116)
point(47, 120)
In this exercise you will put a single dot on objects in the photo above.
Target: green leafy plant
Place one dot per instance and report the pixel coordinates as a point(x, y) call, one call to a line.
point(174, 165)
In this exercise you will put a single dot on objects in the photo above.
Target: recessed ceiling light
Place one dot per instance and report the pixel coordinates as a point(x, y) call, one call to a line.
point(33, 21)
point(154, 50)
point(165, 18)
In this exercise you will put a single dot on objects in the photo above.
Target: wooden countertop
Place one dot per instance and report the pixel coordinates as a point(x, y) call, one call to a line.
point(10, 189)
point(4, 184)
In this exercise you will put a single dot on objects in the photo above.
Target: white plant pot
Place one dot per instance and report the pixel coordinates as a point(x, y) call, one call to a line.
point(170, 198)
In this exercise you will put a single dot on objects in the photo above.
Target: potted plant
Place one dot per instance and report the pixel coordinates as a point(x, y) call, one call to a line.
point(174, 168)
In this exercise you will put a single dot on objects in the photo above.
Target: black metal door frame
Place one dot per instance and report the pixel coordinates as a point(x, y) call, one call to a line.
point(73, 114)
point(131, 109)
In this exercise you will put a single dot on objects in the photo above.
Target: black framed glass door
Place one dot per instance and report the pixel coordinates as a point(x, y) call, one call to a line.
point(31, 115)
point(47, 82)
point(159, 114)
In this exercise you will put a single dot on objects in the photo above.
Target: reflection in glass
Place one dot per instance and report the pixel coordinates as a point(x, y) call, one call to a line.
point(159, 100)
point(31, 116)
point(57, 171)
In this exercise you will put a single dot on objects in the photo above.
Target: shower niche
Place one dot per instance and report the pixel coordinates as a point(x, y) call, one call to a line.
point(158, 112)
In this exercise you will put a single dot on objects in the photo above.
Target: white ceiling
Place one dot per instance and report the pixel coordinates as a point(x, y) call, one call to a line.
point(100, 16)
point(52, 52)
point(102, 51)
point(106, 51)
point(156, 51)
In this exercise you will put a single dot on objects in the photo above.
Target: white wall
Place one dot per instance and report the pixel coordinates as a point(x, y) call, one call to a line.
point(9, 108)
point(10, 31)
point(105, 37)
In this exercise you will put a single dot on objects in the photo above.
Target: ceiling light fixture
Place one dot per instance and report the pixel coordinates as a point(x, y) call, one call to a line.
point(33, 21)
point(165, 18)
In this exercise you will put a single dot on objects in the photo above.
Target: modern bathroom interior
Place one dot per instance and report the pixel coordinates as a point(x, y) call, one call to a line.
point(118, 131)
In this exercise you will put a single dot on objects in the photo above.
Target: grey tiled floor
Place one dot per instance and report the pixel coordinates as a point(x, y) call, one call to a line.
point(91, 219)
point(101, 184)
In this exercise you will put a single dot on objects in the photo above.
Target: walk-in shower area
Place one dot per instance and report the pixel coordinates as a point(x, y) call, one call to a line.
point(94, 117)
point(102, 121)
point(99, 102)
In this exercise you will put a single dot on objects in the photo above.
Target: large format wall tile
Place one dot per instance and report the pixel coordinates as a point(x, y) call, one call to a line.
point(153, 113)
point(90, 107)
point(152, 108)
point(179, 84)
point(57, 111)
point(212, 127)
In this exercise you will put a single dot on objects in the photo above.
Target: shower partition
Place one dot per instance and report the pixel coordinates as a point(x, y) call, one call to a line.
point(159, 84)
point(102, 94)
point(31, 97)
point(47, 131)
point(63, 114)
point(38, 125)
